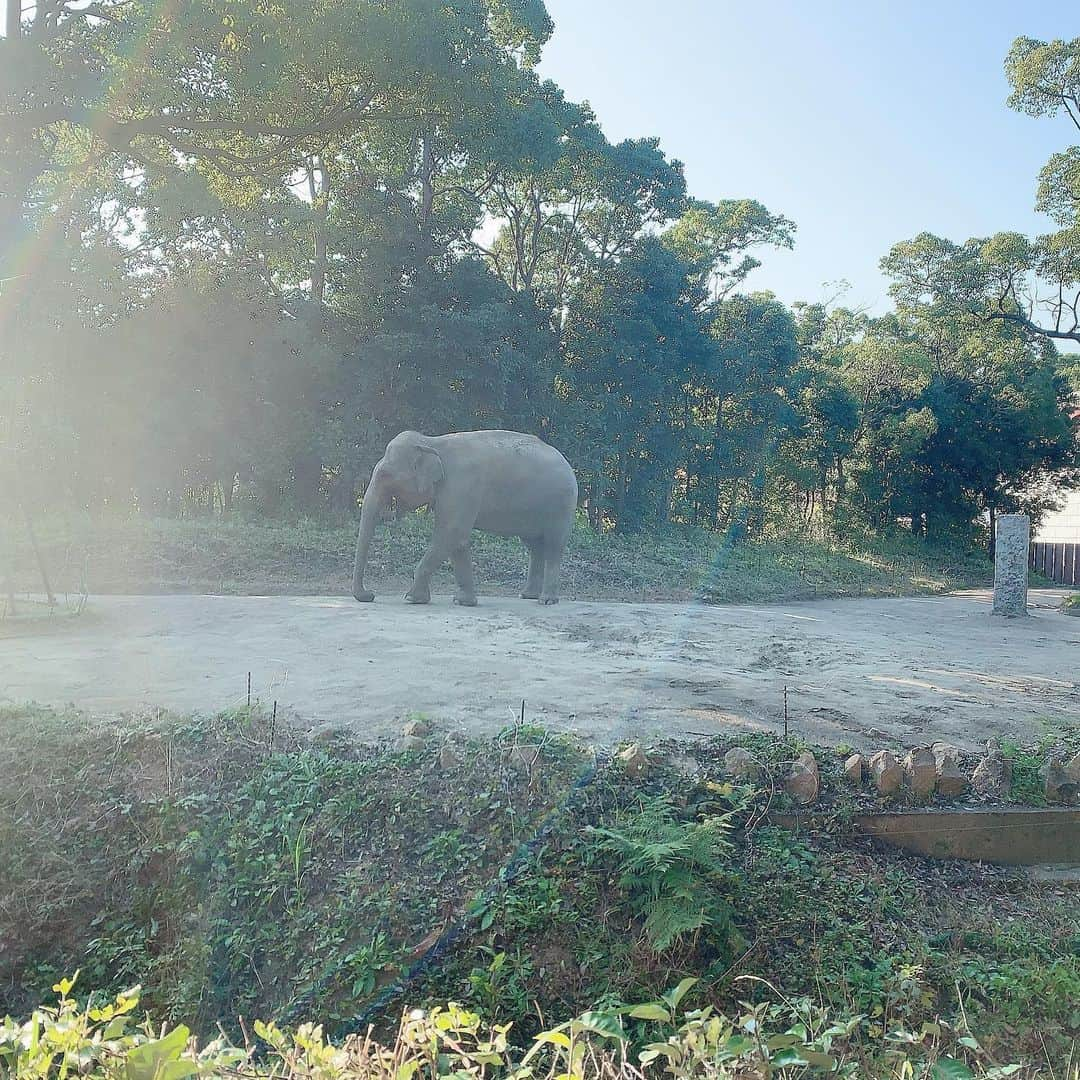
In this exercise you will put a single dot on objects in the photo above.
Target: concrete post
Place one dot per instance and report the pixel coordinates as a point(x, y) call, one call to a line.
point(1011, 564)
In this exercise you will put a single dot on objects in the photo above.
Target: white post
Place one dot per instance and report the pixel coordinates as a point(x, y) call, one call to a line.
point(1011, 549)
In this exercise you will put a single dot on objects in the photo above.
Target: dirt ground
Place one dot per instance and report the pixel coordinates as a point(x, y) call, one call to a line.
point(856, 671)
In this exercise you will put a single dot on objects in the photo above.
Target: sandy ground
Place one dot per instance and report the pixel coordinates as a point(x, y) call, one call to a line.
point(855, 670)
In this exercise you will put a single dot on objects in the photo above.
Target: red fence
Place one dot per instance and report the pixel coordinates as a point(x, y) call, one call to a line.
point(1058, 562)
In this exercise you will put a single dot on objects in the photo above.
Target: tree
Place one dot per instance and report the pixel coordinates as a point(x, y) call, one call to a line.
point(961, 415)
point(578, 206)
point(296, 155)
point(741, 409)
point(711, 236)
point(811, 463)
point(635, 343)
point(1031, 283)
point(454, 350)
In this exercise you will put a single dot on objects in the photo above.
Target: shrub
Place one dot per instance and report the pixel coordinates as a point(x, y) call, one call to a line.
point(103, 1042)
point(668, 869)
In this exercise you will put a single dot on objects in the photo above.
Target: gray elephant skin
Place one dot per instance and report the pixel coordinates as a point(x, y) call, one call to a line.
point(502, 482)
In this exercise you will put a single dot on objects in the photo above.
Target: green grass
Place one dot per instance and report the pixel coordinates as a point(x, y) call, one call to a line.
point(238, 555)
point(231, 875)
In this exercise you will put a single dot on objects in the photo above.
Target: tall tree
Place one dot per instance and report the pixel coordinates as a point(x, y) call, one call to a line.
point(1031, 283)
point(634, 343)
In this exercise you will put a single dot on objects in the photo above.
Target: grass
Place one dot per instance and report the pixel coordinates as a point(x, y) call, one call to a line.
point(238, 555)
point(233, 868)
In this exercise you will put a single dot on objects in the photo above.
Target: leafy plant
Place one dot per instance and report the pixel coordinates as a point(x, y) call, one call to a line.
point(670, 869)
point(790, 1038)
point(365, 964)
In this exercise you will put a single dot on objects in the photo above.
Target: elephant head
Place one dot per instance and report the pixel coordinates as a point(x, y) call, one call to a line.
point(407, 475)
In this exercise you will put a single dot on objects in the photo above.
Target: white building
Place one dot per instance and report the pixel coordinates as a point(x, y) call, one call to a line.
point(1061, 526)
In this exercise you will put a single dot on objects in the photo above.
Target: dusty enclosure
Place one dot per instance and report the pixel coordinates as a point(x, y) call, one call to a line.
point(855, 670)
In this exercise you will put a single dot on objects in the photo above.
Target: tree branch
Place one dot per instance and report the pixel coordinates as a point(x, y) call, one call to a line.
point(1033, 328)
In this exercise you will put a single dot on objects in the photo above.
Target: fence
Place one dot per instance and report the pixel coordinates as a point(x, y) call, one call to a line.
point(1058, 562)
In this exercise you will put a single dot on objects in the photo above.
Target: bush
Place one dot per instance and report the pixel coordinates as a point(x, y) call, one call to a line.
point(102, 1042)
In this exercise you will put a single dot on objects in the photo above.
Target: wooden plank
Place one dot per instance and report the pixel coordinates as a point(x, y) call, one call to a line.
point(1014, 837)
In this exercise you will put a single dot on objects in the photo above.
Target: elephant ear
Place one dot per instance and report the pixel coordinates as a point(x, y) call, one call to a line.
point(429, 472)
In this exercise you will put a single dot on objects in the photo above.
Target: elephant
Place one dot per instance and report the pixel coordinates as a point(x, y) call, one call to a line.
point(502, 482)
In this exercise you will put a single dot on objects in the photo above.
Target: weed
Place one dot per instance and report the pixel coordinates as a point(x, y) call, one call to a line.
point(669, 870)
point(366, 963)
point(1029, 763)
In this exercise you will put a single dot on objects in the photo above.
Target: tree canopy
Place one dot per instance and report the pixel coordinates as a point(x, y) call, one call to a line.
point(243, 243)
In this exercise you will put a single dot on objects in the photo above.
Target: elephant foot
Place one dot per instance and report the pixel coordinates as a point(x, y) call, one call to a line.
point(465, 601)
point(549, 599)
point(364, 596)
point(530, 594)
point(417, 597)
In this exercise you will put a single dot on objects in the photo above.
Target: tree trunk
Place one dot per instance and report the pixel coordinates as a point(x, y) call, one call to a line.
point(13, 19)
point(320, 199)
point(307, 472)
point(427, 180)
point(343, 494)
point(39, 558)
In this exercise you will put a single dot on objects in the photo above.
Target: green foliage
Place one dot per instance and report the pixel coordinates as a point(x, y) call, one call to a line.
point(1061, 742)
point(231, 879)
point(226, 876)
point(710, 237)
point(792, 1038)
point(1025, 283)
point(1027, 763)
point(931, 417)
point(635, 342)
point(671, 871)
point(307, 231)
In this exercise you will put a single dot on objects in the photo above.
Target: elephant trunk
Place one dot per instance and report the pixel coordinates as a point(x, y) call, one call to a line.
point(369, 518)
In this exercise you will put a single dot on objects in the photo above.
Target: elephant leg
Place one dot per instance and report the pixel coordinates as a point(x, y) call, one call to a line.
point(552, 574)
point(434, 558)
point(448, 538)
point(535, 585)
point(461, 560)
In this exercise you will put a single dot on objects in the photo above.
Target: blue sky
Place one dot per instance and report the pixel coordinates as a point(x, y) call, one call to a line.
point(865, 123)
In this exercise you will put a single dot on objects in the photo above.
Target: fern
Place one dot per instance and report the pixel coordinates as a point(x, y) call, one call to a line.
point(669, 869)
